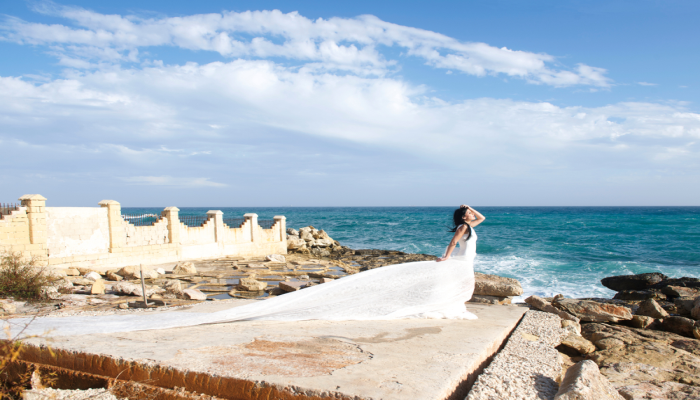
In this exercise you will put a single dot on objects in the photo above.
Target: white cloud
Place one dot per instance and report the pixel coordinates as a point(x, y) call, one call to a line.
point(647, 84)
point(171, 181)
point(349, 44)
point(165, 106)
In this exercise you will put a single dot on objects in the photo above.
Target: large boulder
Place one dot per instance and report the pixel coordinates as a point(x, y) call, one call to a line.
point(185, 268)
point(251, 285)
point(681, 282)
point(680, 325)
point(584, 381)
point(695, 312)
point(494, 285)
point(593, 311)
point(292, 232)
point(323, 242)
point(642, 322)
point(543, 305)
point(305, 234)
point(639, 295)
point(633, 282)
point(578, 344)
point(296, 244)
point(680, 291)
point(651, 308)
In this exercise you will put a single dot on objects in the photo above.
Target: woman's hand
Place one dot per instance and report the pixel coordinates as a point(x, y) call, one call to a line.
point(441, 259)
point(464, 206)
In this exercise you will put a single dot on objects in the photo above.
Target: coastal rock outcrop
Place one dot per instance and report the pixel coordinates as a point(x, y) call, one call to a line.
point(633, 282)
point(650, 308)
point(584, 381)
point(593, 311)
point(309, 240)
point(493, 285)
point(636, 358)
point(543, 305)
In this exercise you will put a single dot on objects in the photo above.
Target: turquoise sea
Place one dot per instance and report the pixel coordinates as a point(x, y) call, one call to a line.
point(550, 250)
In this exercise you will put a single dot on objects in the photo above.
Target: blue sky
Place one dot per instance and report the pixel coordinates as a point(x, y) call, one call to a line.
point(359, 104)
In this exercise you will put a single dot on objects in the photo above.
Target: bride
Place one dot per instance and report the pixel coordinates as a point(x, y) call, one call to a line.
point(426, 289)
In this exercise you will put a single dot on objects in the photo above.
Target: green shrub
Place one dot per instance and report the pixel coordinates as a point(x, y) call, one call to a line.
point(22, 279)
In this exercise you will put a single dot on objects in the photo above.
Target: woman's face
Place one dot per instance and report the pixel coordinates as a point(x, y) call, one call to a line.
point(468, 216)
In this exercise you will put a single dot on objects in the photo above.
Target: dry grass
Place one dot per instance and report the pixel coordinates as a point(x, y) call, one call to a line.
point(21, 279)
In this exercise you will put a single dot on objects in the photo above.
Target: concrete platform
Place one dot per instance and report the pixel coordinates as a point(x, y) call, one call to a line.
point(400, 359)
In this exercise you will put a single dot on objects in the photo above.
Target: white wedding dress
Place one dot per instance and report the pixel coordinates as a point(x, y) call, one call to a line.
point(425, 289)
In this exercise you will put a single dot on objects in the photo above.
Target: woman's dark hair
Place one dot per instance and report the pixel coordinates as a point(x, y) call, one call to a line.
point(458, 219)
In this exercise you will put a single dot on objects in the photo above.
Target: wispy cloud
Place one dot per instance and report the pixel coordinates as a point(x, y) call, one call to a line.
point(647, 84)
point(353, 45)
point(171, 181)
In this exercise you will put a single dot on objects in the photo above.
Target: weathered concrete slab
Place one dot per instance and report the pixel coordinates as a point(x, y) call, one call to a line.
point(400, 359)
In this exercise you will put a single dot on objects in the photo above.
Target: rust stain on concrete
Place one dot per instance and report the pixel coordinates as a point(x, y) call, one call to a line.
point(277, 356)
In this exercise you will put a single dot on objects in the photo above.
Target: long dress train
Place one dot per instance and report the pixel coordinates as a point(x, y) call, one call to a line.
point(425, 289)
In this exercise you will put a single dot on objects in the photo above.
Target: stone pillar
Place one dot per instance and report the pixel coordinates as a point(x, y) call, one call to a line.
point(117, 238)
point(218, 217)
point(252, 219)
point(173, 216)
point(281, 221)
point(36, 214)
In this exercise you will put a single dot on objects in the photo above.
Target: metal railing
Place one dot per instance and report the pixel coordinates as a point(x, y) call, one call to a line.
point(141, 219)
point(7, 208)
point(266, 223)
point(234, 222)
point(193, 221)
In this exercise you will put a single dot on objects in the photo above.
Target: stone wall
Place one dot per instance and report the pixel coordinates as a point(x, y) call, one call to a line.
point(100, 238)
point(76, 230)
point(146, 235)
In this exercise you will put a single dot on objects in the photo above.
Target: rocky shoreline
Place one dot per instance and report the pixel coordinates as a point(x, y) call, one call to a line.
point(644, 341)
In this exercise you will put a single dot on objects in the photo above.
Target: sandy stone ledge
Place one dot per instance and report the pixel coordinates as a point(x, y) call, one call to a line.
point(528, 366)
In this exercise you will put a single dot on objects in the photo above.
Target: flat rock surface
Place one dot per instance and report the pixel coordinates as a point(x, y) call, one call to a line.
point(399, 359)
point(640, 360)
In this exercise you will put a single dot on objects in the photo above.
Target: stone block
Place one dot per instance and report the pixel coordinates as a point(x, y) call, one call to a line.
point(584, 381)
point(291, 286)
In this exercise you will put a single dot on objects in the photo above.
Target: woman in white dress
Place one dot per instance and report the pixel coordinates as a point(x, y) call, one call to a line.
point(426, 289)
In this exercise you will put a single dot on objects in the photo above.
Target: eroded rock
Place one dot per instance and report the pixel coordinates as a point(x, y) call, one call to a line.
point(651, 308)
point(185, 268)
point(593, 311)
point(578, 344)
point(680, 325)
point(643, 356)
point(493, 285)
point(584, 381)
point(543, 305)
